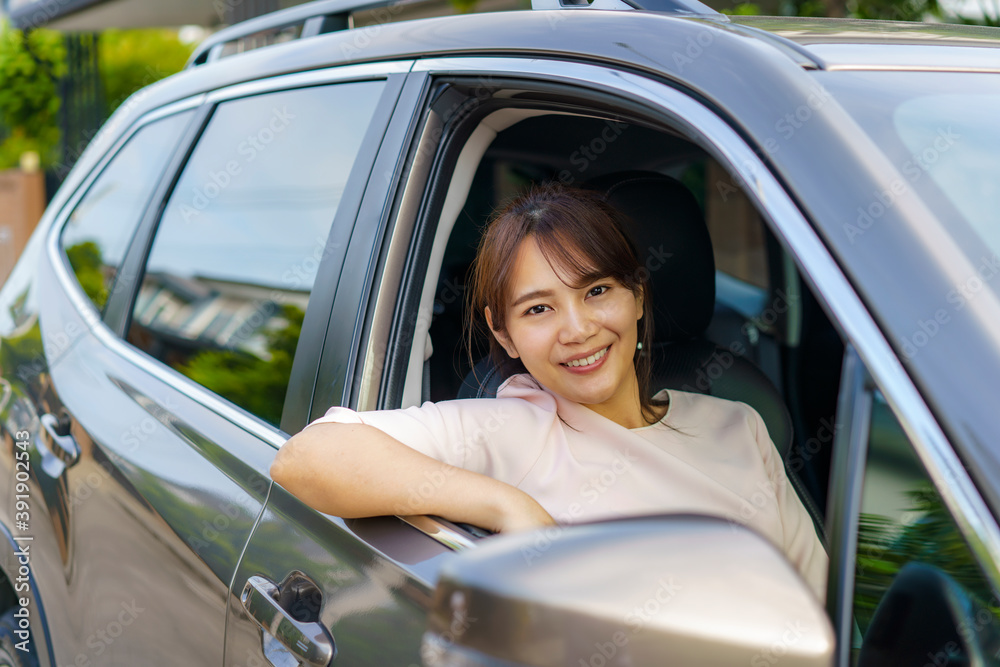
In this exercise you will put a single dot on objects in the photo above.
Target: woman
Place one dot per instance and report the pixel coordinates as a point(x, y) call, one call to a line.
point(573, 435)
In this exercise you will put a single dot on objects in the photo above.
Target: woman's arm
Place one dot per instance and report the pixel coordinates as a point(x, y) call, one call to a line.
point(356, 470)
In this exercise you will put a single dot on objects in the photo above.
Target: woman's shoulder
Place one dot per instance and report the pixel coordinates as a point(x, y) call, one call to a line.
point(519, 396)
point(691, 407)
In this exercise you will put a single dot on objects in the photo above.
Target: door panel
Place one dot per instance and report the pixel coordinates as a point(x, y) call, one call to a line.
point(374, 578)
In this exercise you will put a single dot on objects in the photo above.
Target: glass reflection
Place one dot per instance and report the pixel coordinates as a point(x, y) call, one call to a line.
point(236, 253)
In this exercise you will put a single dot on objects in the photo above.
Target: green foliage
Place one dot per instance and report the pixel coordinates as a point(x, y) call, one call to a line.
point(894, 10)
point(256, 384)
point(885, 546)
point(133, 59)
point(31, 64)
point(743, 9)
point(21, 354)
point(85, 258)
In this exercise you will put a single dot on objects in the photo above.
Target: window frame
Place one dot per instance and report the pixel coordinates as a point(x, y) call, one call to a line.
point(800, 241)
point(111, 328)
point(86, 307)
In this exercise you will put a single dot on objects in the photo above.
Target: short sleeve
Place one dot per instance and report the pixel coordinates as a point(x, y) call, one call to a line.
point(801, 544)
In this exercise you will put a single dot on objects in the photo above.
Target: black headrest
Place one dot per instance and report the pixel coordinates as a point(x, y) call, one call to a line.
point(669, 232)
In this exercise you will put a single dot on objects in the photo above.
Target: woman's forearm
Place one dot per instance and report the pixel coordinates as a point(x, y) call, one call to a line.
point(355, 470)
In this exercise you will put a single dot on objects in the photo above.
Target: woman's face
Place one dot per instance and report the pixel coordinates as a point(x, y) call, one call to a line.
point(577, 342)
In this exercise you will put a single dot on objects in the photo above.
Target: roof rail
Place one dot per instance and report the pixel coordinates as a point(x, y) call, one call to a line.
point(682, 7)
point(298, 22)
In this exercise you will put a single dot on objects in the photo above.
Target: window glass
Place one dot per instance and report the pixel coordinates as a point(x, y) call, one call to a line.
point(235, 256)
point(736, 229)
point(917, 584)
point(100, 227)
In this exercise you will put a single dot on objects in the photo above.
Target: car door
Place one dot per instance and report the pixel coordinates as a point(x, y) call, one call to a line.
point(311, 586)
point(165, 415)
point(315, 586)
point(909, 587)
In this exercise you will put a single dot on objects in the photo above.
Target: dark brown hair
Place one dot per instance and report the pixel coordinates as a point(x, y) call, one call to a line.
point(579, 233)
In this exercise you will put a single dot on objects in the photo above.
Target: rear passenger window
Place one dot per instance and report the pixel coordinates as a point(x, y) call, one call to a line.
point(100, 227)
point(235, 256)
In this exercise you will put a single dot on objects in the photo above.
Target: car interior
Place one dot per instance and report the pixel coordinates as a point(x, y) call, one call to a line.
point(732, 319)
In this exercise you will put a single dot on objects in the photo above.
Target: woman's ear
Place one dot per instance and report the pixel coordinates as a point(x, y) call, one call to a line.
point(639, 301)
point(502, 338)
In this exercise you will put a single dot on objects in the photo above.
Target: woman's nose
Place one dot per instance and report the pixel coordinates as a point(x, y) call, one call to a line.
point(578, 325)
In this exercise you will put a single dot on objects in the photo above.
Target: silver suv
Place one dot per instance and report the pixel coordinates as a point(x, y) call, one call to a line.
point(287, 227)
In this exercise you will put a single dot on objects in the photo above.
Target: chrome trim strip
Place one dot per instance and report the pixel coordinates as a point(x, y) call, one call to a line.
point(912, 68)
point(818, 267)
point(340, 74)
point(440, 530)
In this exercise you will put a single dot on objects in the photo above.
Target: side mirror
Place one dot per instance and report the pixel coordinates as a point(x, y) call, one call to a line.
point(680, 590)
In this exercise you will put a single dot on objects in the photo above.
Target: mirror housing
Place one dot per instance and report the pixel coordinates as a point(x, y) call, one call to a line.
point(679, 589)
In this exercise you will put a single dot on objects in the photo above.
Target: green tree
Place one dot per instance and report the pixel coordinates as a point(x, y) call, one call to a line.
point(133, 59)
point(31, 65)
point(894, 10)
point(85, 258)
point(256, 384)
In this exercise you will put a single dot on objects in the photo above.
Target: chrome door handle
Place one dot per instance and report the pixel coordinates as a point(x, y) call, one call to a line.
point(62, 451)
point(309, 643)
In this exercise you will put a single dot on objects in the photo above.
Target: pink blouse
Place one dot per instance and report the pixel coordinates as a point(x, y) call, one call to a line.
point(707, 455)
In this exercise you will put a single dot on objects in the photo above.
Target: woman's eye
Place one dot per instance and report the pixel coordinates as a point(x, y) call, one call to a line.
point(535, 310)
point(598, 290)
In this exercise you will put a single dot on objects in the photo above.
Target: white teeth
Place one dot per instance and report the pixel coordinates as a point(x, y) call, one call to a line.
point(589, 360)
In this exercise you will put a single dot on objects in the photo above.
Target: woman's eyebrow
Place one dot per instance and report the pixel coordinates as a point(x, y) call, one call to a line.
point(528, 296)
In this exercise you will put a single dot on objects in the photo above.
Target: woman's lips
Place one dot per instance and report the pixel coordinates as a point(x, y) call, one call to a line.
point(588, 363)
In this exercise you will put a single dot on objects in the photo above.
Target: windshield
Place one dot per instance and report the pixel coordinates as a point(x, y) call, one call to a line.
point(942, 131)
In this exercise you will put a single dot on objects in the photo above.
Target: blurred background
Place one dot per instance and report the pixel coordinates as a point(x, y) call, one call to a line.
point(66, 65)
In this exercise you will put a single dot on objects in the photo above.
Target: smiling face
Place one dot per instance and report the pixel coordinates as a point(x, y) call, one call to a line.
point(577, 341)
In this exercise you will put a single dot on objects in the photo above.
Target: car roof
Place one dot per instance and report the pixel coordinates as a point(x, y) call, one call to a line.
point(898, 45)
